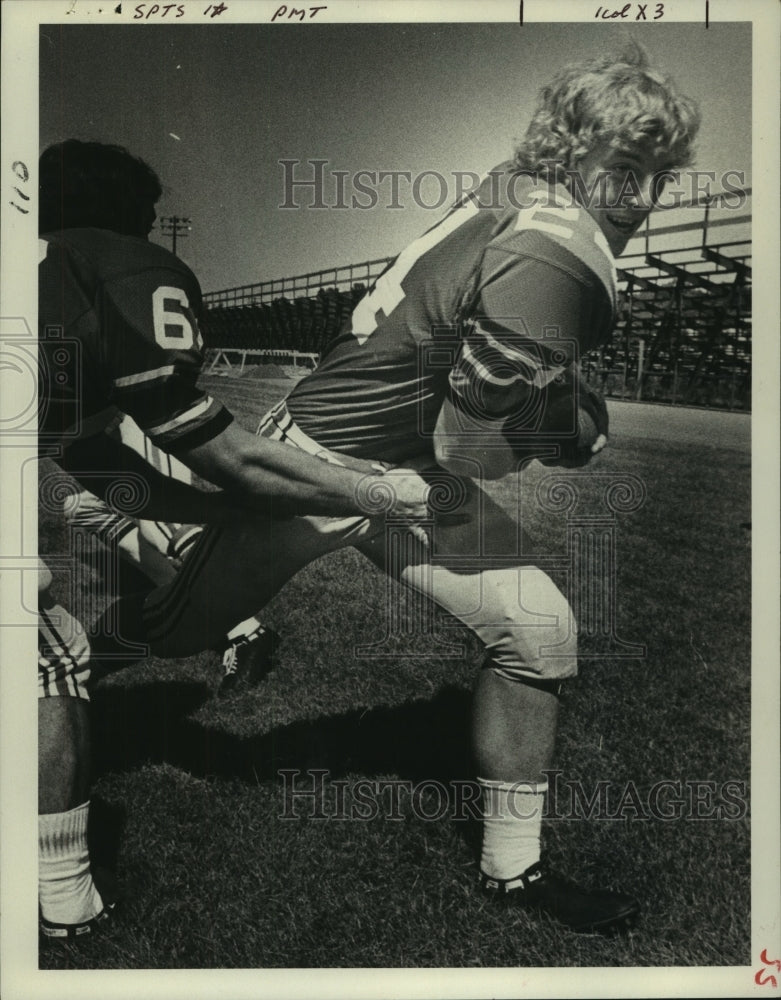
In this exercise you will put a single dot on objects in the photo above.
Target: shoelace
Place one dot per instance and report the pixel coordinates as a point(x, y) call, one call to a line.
point(230, 658)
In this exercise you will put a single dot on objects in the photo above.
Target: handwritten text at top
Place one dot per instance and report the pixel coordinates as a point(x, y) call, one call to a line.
point(641, 13)
point(158, 11)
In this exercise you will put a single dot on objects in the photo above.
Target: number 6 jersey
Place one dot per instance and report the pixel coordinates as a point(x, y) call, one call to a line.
point(118, 331)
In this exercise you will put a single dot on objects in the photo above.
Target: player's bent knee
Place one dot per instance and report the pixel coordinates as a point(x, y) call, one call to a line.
point(542, 669)
point(529, 649)
point(553, 685)
point(549, 681)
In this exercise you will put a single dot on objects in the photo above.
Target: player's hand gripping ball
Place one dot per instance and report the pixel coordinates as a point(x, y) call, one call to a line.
point(566, 425)
point(576, 422)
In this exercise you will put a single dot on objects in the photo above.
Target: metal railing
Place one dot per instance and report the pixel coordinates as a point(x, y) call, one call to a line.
point(684, 327)
point(733, 224)
point(300, 285)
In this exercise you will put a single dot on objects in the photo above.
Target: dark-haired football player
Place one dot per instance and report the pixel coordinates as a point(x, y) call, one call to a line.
point(479, 317)
point(118, 334)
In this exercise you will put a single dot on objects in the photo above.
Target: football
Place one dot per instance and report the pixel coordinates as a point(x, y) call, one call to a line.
point(560, 429)
point(471, 447)
point(570, 424)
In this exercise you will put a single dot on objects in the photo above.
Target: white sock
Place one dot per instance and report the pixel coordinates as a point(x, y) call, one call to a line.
point(244, 630)
point(512, 820)
point(66, 891)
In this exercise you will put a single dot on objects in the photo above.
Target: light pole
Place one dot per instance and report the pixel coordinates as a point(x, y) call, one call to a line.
point(173, 226)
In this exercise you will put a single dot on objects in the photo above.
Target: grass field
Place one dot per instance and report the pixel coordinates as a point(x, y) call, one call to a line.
point(191, 807)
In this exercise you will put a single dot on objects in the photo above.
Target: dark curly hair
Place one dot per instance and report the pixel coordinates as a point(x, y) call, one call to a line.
point(86, 184)
point(620, 100)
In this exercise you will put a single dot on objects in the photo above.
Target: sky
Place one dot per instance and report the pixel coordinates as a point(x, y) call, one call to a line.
point(215, 108)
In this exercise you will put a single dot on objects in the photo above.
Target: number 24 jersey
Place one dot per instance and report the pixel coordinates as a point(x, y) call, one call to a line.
point(503, 294)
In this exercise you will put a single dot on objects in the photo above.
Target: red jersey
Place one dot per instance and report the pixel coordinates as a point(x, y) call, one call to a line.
point(118, 331)
point(509, 289)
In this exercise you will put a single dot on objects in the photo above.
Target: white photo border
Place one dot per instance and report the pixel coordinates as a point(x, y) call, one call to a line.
point(18, 725)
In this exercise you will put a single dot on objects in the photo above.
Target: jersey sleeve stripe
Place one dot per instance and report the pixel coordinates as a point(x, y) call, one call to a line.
point(148, 376)
point(484, 374)
point(487, 365)
point(180, 422)
point(513, 352)
point(195, 432)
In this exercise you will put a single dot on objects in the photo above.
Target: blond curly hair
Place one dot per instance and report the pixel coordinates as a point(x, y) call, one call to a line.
point(620, 100)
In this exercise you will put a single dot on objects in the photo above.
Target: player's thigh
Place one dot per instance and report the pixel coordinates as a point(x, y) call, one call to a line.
point(477, 571)
point(234, 571)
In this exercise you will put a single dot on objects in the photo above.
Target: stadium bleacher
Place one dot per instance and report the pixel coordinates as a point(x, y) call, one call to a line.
point(683, 334)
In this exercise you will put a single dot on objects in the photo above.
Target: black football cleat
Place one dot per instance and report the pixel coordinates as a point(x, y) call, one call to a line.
point(105, 882)
point(247, 659)
point(67, 933)
point(582, 910)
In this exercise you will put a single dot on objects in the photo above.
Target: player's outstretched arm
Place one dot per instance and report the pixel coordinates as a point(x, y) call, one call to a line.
point(256, 468)
point(101, 462)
